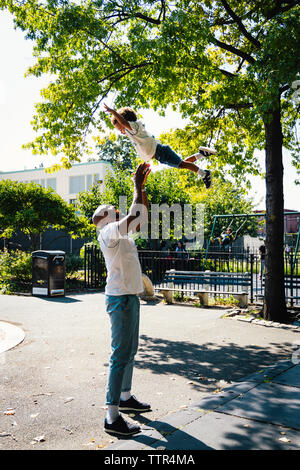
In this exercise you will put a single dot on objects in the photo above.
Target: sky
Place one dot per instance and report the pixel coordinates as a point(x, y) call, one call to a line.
point(19, 94)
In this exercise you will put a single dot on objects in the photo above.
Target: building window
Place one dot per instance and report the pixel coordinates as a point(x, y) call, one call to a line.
point(51, 182)
point(91, 180)
point(76, 184)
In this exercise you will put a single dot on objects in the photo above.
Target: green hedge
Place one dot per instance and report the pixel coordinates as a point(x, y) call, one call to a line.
point(16, 272)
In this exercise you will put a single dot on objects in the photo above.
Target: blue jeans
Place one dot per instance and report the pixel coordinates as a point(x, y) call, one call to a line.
point(164, 154)
point(124, 313)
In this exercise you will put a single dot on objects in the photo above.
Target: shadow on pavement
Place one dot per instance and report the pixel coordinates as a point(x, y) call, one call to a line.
point(206, 363)
point(157, 434)
point(60, 300)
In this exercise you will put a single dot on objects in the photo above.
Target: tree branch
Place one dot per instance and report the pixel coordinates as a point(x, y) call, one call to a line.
point(284, 88)
point(235, 51)
point(240, 66)
point(238, 106)
point(240, 24)
point(227, 73)
point(279, 8)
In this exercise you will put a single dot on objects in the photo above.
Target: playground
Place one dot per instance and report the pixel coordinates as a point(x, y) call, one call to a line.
point(218, 270)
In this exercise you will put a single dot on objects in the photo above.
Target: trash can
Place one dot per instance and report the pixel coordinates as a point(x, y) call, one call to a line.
point(48, 273)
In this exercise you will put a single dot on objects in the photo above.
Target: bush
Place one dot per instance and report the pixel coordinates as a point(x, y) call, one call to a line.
point(15, 264)
point(92, 243)
point(73, 264)
point(15, 271)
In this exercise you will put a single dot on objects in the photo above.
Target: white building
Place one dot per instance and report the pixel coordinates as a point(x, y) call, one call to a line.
point(67, 183)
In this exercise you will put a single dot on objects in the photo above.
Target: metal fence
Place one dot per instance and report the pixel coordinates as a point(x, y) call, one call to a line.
point(94, 267)
point(155, 263)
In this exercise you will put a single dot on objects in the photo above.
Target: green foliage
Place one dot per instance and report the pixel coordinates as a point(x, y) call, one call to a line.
point(119, 151)
point(74, 264)
point(222, 65)
point(16, 271)
point(228, 300)
point(172, 187)
point(226, 198)
point(30, 208)
point(15, 263)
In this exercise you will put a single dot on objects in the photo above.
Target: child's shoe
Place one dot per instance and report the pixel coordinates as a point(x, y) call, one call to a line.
point(207, 179)
point(206, 151)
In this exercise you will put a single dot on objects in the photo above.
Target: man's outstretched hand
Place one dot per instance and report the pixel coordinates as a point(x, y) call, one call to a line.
point(141, 174)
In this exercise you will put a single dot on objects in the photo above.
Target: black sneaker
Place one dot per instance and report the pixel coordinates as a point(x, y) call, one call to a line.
point(121, 427)
point(206, 151)
point(207, 179)
point(132, 404)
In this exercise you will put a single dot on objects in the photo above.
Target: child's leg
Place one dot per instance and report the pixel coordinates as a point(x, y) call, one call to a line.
point(204, 152)
point(191, 158)
point(164, 154)
point(186, 165)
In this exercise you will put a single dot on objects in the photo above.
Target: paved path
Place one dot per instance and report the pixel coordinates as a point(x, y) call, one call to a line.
point(53, 382)
point(261, 412)
point(10, 336)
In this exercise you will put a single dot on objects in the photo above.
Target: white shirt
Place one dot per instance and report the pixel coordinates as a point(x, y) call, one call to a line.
point(124, 275)
point(144, 142)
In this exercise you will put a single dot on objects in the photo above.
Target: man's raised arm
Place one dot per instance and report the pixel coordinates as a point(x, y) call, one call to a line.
point(138, 212)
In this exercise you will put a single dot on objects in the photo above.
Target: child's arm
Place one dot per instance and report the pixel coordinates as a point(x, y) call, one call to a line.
point(119, 118)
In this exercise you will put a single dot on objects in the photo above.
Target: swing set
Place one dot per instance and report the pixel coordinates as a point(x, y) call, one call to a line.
point(246, 216)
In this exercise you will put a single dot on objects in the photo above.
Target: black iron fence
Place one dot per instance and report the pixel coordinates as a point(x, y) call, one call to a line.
point(94, 267)
point(155, 263)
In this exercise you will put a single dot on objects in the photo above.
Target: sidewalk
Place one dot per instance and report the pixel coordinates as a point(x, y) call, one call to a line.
point(54, 365)
point(10, 336)
point(261, 412)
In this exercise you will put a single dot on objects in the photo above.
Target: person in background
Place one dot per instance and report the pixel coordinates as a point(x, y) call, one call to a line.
point(287, 250)
point(262, 255)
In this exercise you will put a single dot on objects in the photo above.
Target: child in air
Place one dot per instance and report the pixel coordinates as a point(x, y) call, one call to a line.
point(125, 120)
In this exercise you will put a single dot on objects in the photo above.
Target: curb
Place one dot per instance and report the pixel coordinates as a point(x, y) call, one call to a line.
point(10, 336)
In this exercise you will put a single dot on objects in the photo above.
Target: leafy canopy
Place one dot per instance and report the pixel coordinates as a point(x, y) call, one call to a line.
point(220, 63)
point(164, 187)
point(30, 208)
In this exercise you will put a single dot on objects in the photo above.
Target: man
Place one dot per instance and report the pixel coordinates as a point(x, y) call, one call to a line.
point(124, 282)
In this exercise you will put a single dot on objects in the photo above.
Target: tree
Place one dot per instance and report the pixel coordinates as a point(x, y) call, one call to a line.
point(30, 208)
point(227, 65)
point(164, 187)
point(119, 151)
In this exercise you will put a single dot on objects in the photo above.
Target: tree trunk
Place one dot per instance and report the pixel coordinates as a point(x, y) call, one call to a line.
point(274, 301)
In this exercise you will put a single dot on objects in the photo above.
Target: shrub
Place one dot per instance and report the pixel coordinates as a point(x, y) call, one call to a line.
point(15, 271)
point(15, 264)
point(73, 264)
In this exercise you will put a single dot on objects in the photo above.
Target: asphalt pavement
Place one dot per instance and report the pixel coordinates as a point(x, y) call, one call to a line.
point(214, 383)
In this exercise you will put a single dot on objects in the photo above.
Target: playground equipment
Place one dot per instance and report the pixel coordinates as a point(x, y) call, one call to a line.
point(233, 216)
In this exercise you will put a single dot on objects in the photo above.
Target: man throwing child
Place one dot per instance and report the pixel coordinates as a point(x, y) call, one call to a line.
point(123, 284)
